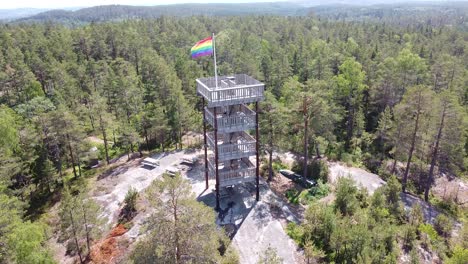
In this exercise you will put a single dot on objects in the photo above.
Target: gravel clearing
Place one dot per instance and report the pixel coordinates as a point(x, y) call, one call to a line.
point(111, 190)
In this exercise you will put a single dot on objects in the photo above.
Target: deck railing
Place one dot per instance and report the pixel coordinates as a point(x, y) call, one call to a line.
point(237, 121)
point(242, 146)
point(230, 90)
point(226, 174)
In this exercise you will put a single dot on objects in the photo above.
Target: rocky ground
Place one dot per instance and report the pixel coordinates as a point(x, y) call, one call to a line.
point(255, 225)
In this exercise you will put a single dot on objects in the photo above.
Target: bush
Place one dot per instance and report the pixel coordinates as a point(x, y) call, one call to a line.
point(428, 234)
point(447, 205)
point(377, 208)
point(278, 165)
point(129, 210)
point(409, 236)
point(293, 196)
point(295, 232)
point(459, 256)
point(347, 158)
point(314, 193)
point(443, 225)
point(363, 197)
point(392, 192)
point(298, 167)
point(346, 202)
point(317, 169)
point(416, 216)
point(335, 150)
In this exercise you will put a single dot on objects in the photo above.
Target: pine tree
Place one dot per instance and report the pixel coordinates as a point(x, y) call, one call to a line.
point(181, 230)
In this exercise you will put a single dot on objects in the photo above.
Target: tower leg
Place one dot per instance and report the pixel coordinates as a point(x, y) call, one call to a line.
point(216, 157)
point(205, 143)
point(257, 169)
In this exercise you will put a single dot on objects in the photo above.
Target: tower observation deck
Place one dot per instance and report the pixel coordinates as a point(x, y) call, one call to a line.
point(230, 119)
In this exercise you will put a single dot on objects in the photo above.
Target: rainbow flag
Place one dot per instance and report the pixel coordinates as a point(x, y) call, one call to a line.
point(203, 47)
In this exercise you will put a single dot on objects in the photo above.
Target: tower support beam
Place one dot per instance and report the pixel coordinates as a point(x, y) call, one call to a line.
point(257, 147)
point(205, 143)
point(216, 158)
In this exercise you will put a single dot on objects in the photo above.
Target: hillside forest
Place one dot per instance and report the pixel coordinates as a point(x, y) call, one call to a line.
point(389, 98)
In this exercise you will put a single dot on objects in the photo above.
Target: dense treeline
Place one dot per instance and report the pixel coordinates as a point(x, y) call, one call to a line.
point(402, 14)
point(119, 12)
point(392, 99)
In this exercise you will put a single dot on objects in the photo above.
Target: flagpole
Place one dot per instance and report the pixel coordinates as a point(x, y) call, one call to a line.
point(214, 56)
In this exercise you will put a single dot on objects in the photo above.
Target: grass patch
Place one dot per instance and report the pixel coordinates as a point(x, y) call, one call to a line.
point(315, 193)
point(293, 196)
point(307, 196)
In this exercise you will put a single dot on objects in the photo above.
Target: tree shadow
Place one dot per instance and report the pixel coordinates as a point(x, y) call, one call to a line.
point(429, 211)
point(113, 172)
point(234, 207)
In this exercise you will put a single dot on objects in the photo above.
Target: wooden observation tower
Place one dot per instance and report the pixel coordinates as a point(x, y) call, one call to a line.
point(227, 113)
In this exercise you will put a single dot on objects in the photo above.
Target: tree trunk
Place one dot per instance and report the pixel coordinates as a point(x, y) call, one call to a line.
point(79, 165)
point(270, 165)
point(176, 231)
point(434, 156)
point(395, 154)
point(88, 239)
point(71, 155)
point(306, 141)
point(317, 151)
point(75, 237)
point(270, 152)
point(91, 119)
point(146, 139)
point(413, 142)
point(350, 124)
point(104, 136)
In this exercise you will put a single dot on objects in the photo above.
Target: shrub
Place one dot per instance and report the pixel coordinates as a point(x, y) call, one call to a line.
point(443, 225)
point(293, 196)
point(334, 150)
point(321, 190)
point(347, 158)
point(447, 205)
point(295, 232)
point(270, 256)
point(346, 191)
point(416, 216)
point(409, 236)
point(319, 170)
point(278, 165)
point(428, 234)
point(363, 197)
point(314, 193)
point(414, 257)
point(459, 256)
point(129, 210)
point(297, 167)
point(377, 208)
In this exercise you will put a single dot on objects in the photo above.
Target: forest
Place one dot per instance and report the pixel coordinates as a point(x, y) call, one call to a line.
point(390, 98)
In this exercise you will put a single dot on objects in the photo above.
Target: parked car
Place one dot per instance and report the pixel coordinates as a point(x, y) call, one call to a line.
point(309, 183)
point(297, 178)
point(288, 174)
